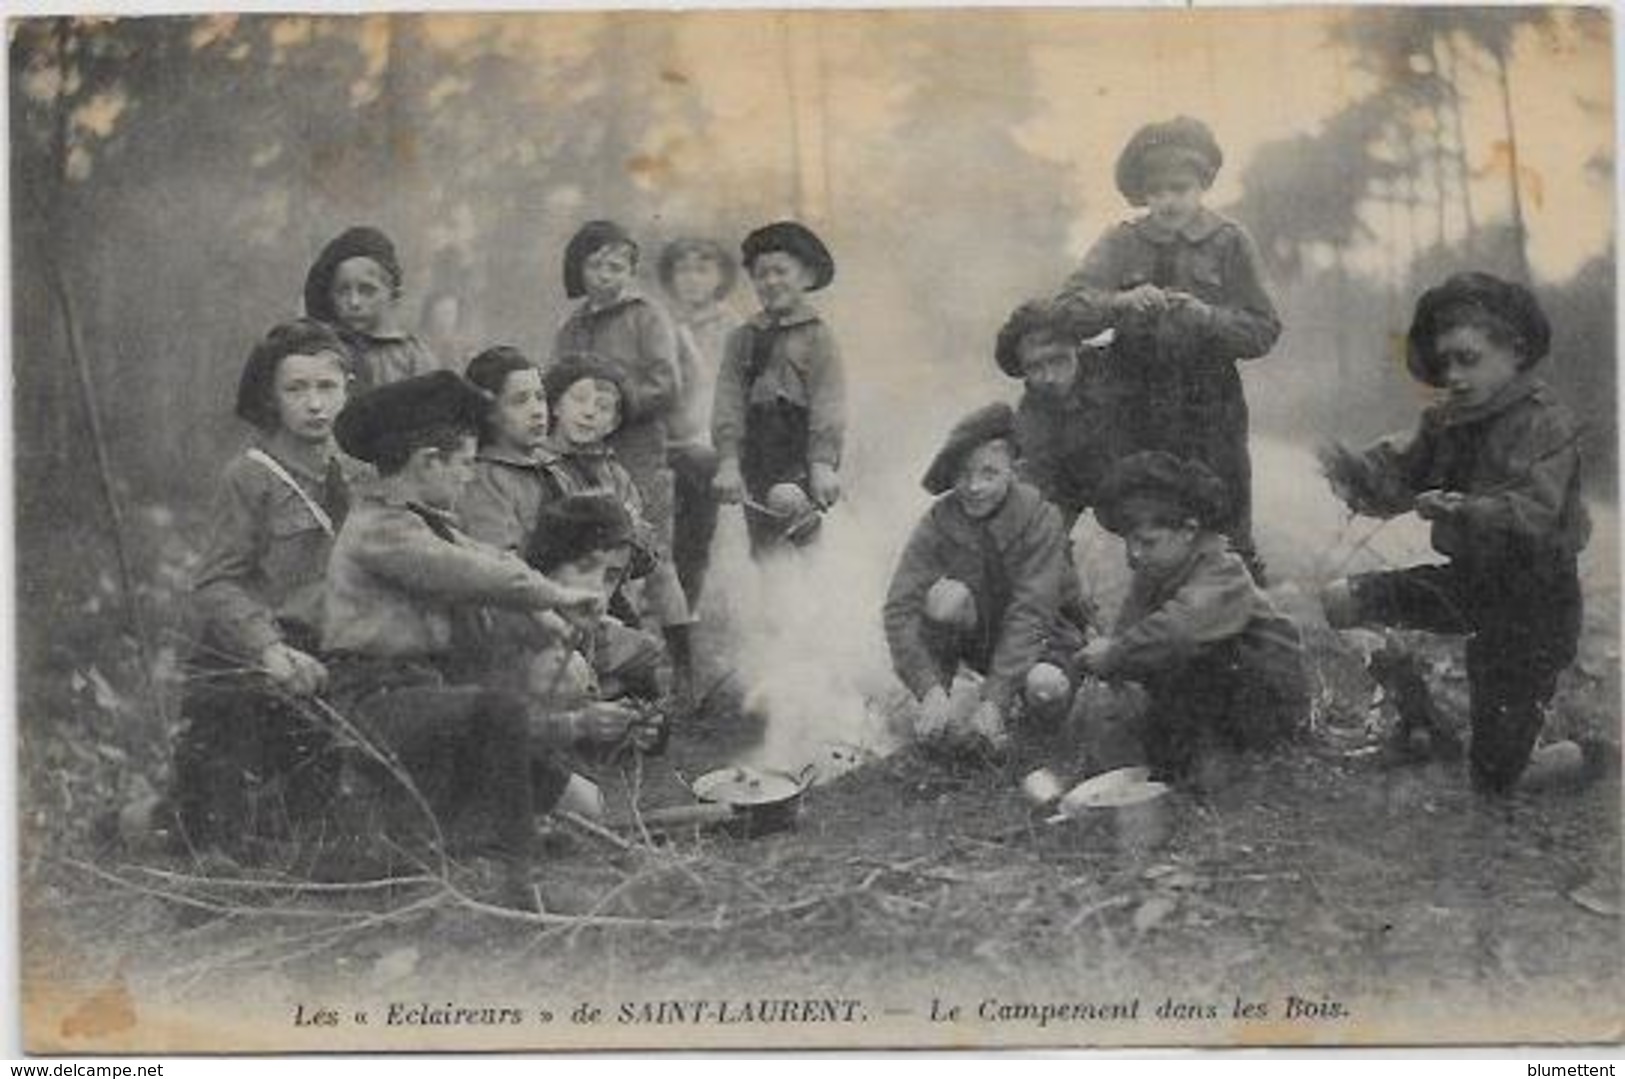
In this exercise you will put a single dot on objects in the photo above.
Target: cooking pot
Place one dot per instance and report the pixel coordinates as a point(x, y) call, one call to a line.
point(763, 800)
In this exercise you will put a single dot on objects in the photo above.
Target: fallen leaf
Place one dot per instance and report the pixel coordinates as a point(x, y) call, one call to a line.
point(1153, 912)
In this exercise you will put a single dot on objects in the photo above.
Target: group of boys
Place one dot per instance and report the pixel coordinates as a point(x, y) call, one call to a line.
point(1133, 408)
point(472, 637)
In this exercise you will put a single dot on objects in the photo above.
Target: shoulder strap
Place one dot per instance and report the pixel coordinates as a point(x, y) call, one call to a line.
point(272, 465)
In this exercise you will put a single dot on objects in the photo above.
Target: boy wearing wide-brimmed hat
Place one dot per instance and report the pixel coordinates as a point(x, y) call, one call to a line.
point(1183, 291)
point(1495, 467)
point(779, 419)
point(1219, 664)
point(355, 286)
point(402, 582)
point(982, 582)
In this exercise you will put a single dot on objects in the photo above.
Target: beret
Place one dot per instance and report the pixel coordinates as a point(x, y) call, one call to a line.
point(796, 240)
point(591, 237)
point(1506, 301)
point(361, 241)
point(371, 422)
point(301, 337)
point(1189, 487)
point(1183, 136)
point(984, 425)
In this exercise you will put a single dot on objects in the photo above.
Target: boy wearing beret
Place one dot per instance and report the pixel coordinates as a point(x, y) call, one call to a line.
point(779, 419)
point(1182, 289)
point(355, 286)
point(1217, 661)
point(402, 580)
point(1495, 467)
point(983, 581)
point(1064, 427)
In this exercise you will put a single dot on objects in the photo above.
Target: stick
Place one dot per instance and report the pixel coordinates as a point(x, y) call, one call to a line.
point(597, 831)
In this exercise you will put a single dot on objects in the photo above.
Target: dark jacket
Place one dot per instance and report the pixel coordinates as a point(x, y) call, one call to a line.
point(1516, 458)
point(636, 335)
point(1066, 442)
point(1174, 379)
point(1209, 600)
point(1029, 570)
point(803, 368)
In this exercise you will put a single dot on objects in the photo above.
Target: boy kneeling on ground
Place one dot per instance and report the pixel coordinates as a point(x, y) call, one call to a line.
point(1496, 468)
point(605, 683)
point(983, 582)
point(1217, 661)
point(401, 579)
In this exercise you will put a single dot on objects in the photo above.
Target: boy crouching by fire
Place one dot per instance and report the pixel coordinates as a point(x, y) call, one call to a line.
point(983, 582)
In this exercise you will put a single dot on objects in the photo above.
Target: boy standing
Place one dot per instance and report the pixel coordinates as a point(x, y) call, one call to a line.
point(1217, 661)
point(1182, 289)
point(1496, 468)
point(355, 286)
point(698, 275)
point(779, 419)
point(982, 582)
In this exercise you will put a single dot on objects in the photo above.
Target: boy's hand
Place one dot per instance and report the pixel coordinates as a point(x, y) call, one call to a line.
point(728, 485)
point(988, 722)
point(553, 627)
point(825, 484)
point(1092, 656)
point(932, 722)
point(1191, 310)
point(1435, 505)
point(1143, 300)
point(293, 670)
point(602, 721)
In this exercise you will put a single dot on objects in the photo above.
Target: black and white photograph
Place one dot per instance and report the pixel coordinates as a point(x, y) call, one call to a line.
point(816, 529)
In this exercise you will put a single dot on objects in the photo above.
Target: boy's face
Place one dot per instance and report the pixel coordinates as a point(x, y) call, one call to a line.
point(519, 420)
point(780, 279)
point(1049, 364)
point(441, 475)
point(1156, 550)
point(1173, 195)
point(600, 572)
point(985, 478)
point(607, 272)
point(1474, 365)
point(695, 280)
point(588, 411)
point(363, 295)
point(309, 391)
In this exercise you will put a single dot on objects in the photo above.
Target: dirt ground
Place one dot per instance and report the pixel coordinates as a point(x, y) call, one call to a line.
point(1312, 872)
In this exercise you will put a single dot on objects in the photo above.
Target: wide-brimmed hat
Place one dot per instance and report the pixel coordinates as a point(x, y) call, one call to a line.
point(1187, 487)
point(301, 337)
point(593, 236)
point(579, 524)
point(1484, 295)
point(359, 242)
point(679, 249)
point(1182, 139)
point(984, 425)
point(371, 425)
point(796, 240)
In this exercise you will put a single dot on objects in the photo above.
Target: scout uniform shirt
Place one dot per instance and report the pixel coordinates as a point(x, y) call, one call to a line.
point(1173, 376)
point(781, 399)
point(382, 359)
point(400, 573)
point(262, 566)
point(1516, 458)
point(637, 336)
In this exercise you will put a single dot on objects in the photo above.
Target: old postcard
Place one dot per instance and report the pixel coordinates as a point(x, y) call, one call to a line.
point(953, 528)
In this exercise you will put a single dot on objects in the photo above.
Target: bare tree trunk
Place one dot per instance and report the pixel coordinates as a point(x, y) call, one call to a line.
point(1514, 173)
point(1463, 170)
